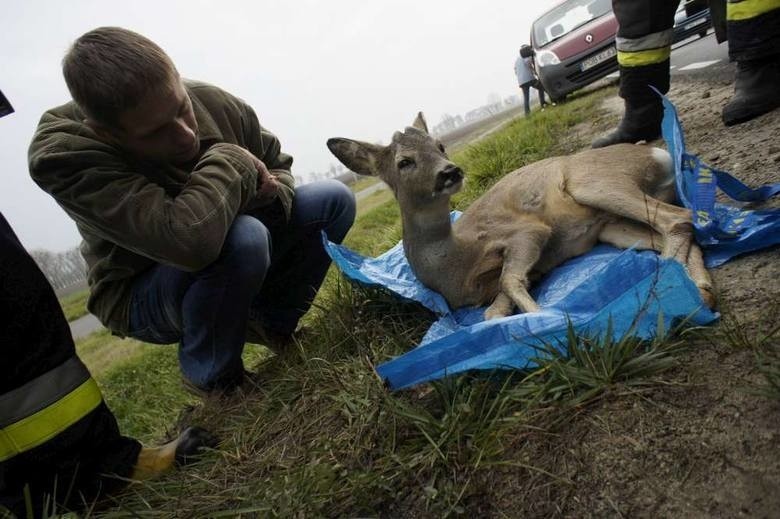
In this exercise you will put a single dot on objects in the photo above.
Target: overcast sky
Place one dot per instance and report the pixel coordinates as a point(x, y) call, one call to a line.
point(312, 70)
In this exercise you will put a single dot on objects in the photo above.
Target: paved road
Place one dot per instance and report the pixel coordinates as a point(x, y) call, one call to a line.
point(370, 190)
point(698, 53)
point(84, 326)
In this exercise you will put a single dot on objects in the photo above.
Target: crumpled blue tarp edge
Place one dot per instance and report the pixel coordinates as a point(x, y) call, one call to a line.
point(513, 342)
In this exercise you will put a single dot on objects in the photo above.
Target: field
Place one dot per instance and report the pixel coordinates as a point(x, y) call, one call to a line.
point(75, 305)
point(684, 426)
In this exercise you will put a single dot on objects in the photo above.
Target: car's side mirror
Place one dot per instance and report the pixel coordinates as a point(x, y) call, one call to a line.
point(526, 52)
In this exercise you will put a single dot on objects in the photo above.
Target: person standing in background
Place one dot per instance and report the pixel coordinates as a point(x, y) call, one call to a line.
point(526, 80)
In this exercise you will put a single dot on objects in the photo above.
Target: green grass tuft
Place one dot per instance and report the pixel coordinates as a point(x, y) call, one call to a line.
point(768, 362)
point(75, 305)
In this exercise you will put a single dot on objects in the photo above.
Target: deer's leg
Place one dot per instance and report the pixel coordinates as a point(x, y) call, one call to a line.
point(189, 446)
point(154, 461)
point(520, 256)
point(501, 306)
point(625, 233)
point(700, 275)
point(516, 288)
point(622, 197)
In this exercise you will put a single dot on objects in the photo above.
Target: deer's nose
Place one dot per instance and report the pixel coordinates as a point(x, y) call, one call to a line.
point(448, 177)
point(452, 173)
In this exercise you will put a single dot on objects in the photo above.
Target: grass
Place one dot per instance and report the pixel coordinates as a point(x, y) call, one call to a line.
point(141, 382)
point(369, 203)
point(768, 362)
point(75, 305)
point(321, 435)
point(362, 183)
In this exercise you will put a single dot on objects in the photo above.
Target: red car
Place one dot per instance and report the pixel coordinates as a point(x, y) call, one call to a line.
point(574, 45)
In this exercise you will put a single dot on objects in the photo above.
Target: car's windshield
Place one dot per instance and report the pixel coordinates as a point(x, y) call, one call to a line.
point(567, 17)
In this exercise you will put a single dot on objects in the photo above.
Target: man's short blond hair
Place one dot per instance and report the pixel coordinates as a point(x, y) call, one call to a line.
point(109, 70)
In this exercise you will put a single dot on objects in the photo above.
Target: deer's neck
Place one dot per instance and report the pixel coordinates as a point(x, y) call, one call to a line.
point(426, 224)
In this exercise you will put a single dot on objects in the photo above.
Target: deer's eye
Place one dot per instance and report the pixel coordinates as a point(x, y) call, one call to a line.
point(441, 148)
point(405, 163)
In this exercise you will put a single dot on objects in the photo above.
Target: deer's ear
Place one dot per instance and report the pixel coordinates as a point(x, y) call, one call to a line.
point(360, 157)
point(419, 123)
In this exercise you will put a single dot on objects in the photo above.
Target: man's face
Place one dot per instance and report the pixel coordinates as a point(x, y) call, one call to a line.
point(162, 127)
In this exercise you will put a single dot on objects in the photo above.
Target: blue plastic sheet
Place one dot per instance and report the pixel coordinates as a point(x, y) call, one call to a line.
point(723, 231)
point(622, 290)
point(630, 289)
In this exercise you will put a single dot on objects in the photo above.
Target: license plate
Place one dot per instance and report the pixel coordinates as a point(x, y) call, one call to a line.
point(697, 22)
point(601, 57)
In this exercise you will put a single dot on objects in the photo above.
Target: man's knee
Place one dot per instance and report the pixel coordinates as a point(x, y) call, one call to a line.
point(341, 209)
point(247, 248)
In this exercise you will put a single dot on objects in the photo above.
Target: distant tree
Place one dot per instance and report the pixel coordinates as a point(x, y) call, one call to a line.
point(62, 269)
point(446, 125)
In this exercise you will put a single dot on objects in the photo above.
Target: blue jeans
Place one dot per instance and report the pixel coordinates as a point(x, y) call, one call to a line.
point(526, 88)
point(274, 270)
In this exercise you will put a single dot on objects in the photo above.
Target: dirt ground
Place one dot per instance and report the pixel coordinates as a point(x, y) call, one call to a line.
point(700, 443)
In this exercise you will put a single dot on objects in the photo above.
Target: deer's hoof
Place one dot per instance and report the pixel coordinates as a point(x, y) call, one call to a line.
point(494, 313)
point(709, 298)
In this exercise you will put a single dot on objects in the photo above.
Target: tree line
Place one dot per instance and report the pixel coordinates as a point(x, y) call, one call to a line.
point(62, 269)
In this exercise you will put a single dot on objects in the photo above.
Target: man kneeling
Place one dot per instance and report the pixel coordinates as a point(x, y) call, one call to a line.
point(193, 230)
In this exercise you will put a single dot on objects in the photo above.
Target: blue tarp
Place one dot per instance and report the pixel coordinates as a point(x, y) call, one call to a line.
point(723, 231)
point(625, 289)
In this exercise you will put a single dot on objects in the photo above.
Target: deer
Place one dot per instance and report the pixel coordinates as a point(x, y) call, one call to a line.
point(530, 221)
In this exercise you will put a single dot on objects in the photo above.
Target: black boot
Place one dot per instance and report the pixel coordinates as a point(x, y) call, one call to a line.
point(755, 90)
point(641, 122)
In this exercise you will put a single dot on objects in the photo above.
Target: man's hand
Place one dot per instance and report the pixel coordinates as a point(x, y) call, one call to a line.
point(267, 184)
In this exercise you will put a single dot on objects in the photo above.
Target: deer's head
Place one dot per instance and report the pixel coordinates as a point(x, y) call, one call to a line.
point(414, 164)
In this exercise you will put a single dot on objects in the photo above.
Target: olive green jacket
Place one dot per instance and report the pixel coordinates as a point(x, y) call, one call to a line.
point(133, 215)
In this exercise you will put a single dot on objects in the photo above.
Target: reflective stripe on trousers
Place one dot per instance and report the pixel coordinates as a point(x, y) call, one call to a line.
point(45, 406)
point(737, 10)
point(646, 50)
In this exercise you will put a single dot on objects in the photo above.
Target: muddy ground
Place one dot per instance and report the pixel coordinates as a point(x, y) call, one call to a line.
point(700, 443)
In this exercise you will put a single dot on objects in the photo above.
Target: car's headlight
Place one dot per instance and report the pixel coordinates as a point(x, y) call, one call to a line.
point(546, 57)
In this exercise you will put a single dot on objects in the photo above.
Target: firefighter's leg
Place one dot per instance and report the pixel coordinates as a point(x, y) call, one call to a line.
point(644, 41)
point(754, 43)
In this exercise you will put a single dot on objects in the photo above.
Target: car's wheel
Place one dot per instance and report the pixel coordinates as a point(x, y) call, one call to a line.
point(703, 33)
